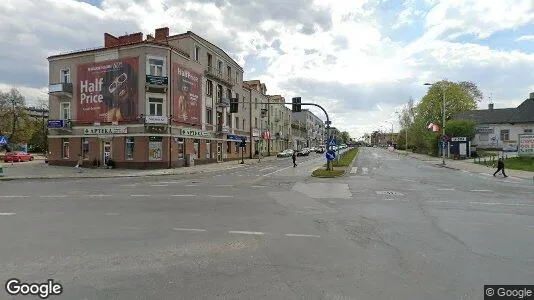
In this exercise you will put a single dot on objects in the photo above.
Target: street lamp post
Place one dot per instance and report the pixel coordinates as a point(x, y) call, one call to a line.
point(443, 124)
point(391, 140)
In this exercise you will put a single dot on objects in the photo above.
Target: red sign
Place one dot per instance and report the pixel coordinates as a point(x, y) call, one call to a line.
point(187, 97)
point(108, 91)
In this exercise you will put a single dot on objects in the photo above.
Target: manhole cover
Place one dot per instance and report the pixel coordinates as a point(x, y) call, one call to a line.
point(389, 193)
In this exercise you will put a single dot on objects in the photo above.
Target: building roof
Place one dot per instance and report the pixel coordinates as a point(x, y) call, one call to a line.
point(524, 113)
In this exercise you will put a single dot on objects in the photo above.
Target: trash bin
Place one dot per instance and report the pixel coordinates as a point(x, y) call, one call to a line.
point(189, 160)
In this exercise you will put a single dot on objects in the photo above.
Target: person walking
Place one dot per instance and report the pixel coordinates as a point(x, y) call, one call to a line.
point(294, 157)
point(500, 167)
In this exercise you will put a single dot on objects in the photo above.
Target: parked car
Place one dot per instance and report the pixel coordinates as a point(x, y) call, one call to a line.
point(285, 153)
point(303, 152)
point(319, 150)
point(17, 156)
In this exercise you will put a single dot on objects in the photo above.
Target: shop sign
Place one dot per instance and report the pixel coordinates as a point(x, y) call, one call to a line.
point(459, 139)
point(236, 137)
point(526, 145)
point(156, 119)
point(105, 130)
point(255, 132)
point(195, 132)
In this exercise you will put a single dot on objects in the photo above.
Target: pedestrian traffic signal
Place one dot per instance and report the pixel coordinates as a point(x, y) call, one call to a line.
point(234, 105)
point(296, 104)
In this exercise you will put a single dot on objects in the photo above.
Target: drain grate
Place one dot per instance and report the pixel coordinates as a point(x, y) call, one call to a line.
point(389, 193)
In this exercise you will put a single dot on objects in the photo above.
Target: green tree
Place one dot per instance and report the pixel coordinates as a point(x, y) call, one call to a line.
point(345, 137)
point(461, 128)
point(13, 115)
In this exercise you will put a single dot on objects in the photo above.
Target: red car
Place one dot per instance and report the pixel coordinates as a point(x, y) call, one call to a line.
point(17, 157)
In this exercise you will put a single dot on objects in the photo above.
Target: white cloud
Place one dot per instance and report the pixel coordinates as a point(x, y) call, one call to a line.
point(525, 38)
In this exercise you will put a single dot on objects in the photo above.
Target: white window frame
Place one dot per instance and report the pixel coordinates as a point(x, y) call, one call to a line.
point(209, 90)
point(61, 75)
point(158, 96)
point(196, 53)
point(127, 142)
point(62, 106)
point(162, 58)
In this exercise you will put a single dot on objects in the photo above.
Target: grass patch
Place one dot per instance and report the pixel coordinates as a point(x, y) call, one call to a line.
point(346, 158)
point(512, 163)
point(323, 173)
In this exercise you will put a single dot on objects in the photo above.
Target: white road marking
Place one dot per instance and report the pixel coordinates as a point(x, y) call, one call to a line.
point(449, 189)
point(111, 214)
point(192, 185)
point(485, 174)
point(130, 185)
point(481, 203)
point(7, 214)
point(279, 170)
point(99, 195)
point(265, 169)
point(247, 232)
point(225, 185)
point(364, 170)
point(13, 196)
point(159, 185)
point(220, 196)
point(53, 196)
point(139, 195)
point(409, 180)
point(302, 235)
point(258, 186)
point(480, 190)
point(183, 195)
point(354, 170)
point(465, 171)
point(189, 229)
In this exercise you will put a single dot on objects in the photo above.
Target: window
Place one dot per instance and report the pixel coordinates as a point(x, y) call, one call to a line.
point(210, 59)
point(155, 106)
point(244, 121)
point(505, 135)
point(155, 148)
point(255, 122)
point(229, 72)
point(197, 53)
point(208, 149)
point(236, 122)
point(243, 102)
point(229, 93)
point(85, 148)
point(209, 88)
point(209, 116)
point(130, 148)
point(236, 76)
point(64, 76)
point(66, 148)
point(229, 120)
point(197, 148)
point(156, 66)
point(219, 66)
point(219, 91)
point(527, 130)
point(65, 111)
point(219, 118)
point(180, 146)
point(229, 147)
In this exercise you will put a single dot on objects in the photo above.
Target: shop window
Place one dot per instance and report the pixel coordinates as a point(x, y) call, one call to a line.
point(229, 147)
point(237, 147)
point(66, 148)
point(130, 148)
point(208, 149)
point(155, 148)
point(197, 148)
point(85, 148)
point(181, 147)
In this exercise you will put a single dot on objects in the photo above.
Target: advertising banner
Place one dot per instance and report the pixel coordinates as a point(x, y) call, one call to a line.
point(108, 91)
point(526, 145)
point(187, 97)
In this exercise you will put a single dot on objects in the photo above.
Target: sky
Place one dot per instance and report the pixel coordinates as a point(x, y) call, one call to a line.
point(360, 59)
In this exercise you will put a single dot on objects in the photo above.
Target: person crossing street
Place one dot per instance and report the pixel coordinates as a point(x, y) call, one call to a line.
point(500, 167)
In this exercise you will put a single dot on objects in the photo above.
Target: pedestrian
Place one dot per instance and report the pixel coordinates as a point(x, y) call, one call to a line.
point(500, 167)
point(79, 163)
point(294, 157)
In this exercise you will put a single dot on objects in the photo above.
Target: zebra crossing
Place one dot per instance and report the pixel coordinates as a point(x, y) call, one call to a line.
point(361, 170)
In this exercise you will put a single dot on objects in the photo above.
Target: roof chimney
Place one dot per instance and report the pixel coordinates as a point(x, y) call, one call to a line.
point(490, 106)
point(162, 34)
point(531, 96)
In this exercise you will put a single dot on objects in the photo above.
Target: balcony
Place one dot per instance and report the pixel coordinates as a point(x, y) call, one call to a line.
point(60, 89)
point(156, 84)
point(218, 74)
point(223, 102)
point(223, 129)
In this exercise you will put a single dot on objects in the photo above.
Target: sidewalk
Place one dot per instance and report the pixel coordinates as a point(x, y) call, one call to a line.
point(39, 170)
point(465, 165)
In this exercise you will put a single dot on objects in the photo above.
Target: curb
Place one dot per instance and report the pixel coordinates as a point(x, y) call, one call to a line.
point(351, 163)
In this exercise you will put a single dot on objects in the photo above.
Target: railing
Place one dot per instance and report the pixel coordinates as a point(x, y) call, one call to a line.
point(60, 88)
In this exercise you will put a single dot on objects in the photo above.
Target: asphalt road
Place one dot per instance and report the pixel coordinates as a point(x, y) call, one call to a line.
point(395, 228)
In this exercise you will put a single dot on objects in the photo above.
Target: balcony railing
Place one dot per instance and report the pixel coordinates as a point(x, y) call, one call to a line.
point(223, 129)
point(218, 74)
point(60, 89)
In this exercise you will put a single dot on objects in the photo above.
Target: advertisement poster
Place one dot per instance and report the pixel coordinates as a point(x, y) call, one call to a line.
point(154, 150)
point(526, 145)
point(187, 97)
point(108, 91)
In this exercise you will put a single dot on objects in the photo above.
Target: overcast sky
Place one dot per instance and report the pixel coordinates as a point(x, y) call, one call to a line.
point(361, 59)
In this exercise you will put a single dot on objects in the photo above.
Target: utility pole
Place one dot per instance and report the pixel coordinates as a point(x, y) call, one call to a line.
point(269, 130)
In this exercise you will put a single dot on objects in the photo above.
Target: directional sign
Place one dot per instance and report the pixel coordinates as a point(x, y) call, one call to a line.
point(3, 140)
point(330, 155)
point(332, 142)
point(443, 145)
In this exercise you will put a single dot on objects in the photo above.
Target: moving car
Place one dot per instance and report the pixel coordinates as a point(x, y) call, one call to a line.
point(17, 156)
point(285, 153)
point(304, 152)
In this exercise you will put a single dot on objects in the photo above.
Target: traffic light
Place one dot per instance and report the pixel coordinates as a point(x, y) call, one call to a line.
point(296, 104)
point(234, 105)
point(243, 144)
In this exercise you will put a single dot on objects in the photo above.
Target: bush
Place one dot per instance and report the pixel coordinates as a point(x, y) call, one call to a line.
point(323, 173)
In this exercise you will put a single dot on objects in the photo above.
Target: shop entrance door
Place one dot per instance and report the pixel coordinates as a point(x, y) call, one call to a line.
point(219, 152)
point(106, 146)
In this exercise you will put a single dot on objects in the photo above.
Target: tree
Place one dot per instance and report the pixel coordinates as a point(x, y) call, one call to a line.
point(461, 128)
point(13, 115)
point(345, 137)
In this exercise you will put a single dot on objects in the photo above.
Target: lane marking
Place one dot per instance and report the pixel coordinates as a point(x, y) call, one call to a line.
point(220, 196)
point(225, 185)
point(354, 170)
point(139, 195)
point(409, 180)
point(246, 232)
point(485, 174)
point(14, 196)
point(481, 203)
point(53, 196)
point(159, 185)
point(7, 214)
point(192, 185)
point(258, 186)
point(302, 235)
point(189, 229)
point(265, 169)
point(183, 195)
point(279, 170)
point(99, 195)
point(130, 185)
point(446, 189)
point(480, 190)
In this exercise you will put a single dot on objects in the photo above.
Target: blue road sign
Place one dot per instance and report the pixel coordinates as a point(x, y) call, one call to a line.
point(330, 155)
point(3, 140)
point(443, 145)
point(55, 124)
point(332, 142)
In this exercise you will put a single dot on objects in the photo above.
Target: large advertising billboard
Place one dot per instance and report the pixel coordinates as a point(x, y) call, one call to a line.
point(108, 91)
point(526, 145)
point(187, 97)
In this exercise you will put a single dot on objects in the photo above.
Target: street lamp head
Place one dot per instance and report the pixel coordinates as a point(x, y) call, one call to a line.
point(426, 83)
